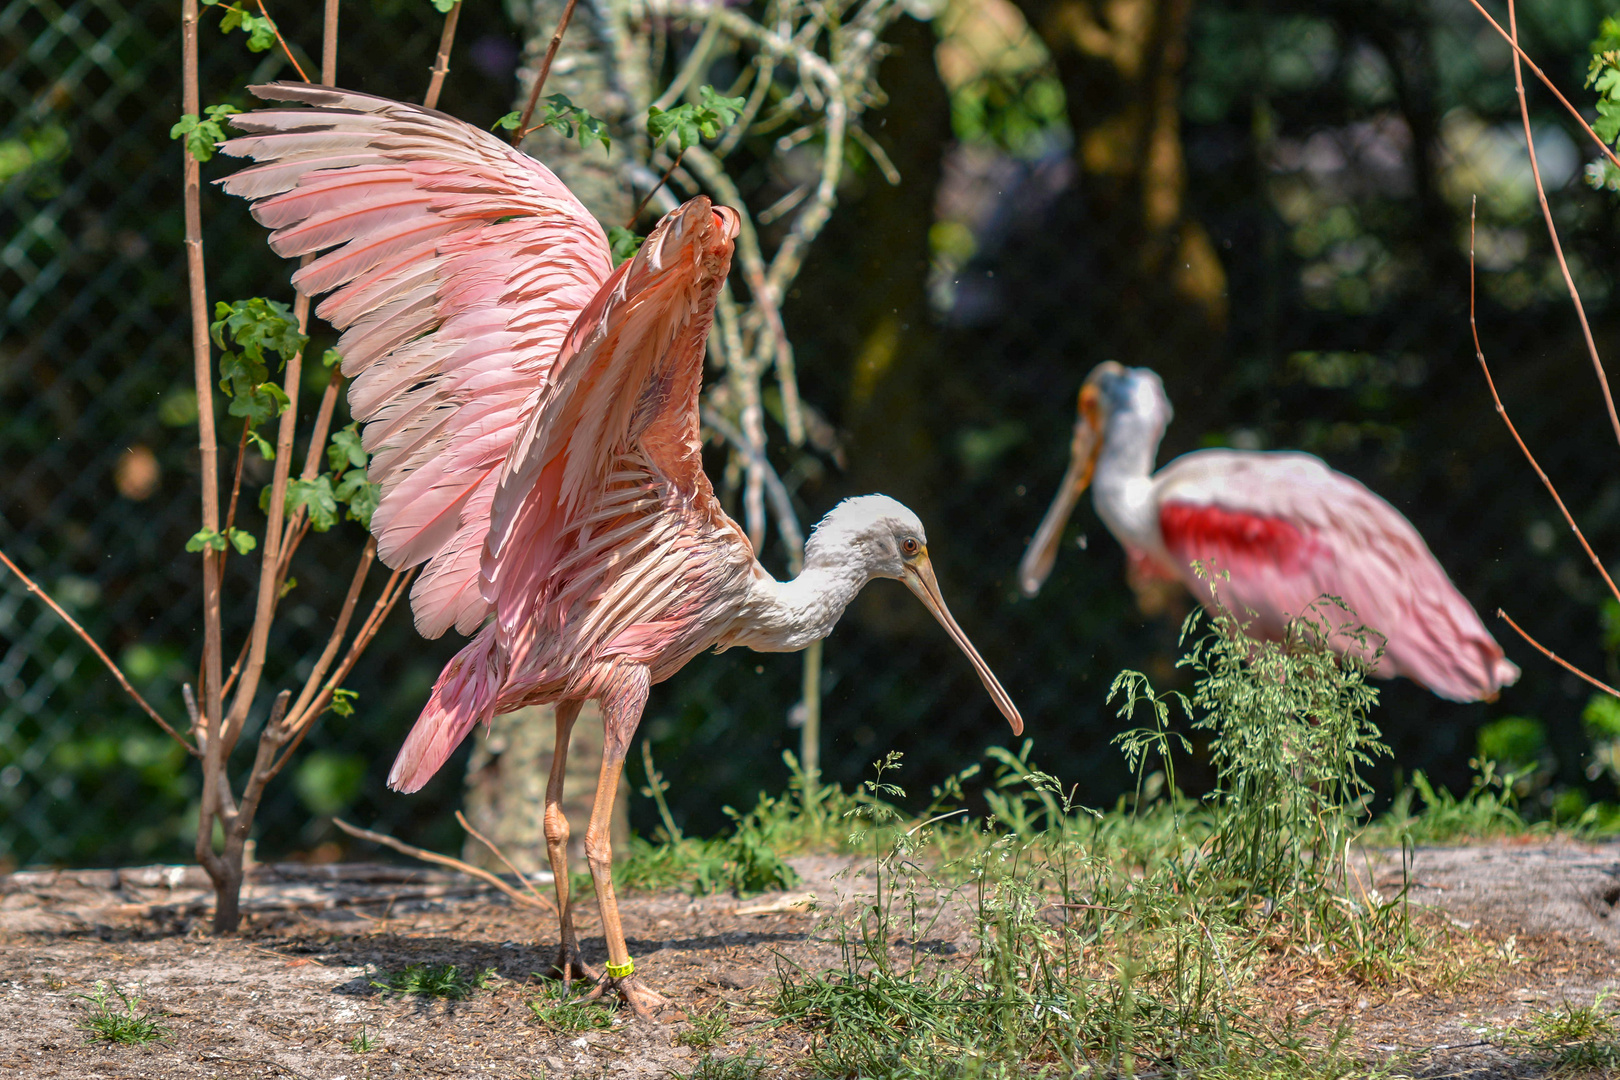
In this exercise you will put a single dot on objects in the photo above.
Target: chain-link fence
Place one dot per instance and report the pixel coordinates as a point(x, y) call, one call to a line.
point(943, 324)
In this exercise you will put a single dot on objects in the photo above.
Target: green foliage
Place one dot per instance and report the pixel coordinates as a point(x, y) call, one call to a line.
point(214, 540)
point(33, 149)
point(1022, 113)
point(260, 31)
point(558, 1012)
point(706, 1030)
point(1488, 810)
point(690, 122)
point(118, 1021)
point(343, 701)
point(444, 7)
point(566, 119)
point(1603, 76)
point(509, 122)
point(327, 782)
point(363, 1043)
point(709, 1067)
point(1572, 1038)
point(346, 485)
point(254, 326)
point(444, 981)
point(203, 134)
point(1516, 743)
point(623, 242)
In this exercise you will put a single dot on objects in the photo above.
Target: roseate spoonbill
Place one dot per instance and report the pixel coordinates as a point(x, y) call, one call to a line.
point(1284, 526)
point(532, 416)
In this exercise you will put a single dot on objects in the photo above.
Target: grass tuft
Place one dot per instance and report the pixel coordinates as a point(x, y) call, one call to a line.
point(118, 1021)
point(443, 981)
point(558, 1012)
point(709, 1067)
point(363, 1043)
point(1570, 1038)
point(708, 1029)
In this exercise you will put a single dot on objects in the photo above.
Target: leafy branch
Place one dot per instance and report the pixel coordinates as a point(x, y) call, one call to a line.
point(565, 118)
point(202, 135)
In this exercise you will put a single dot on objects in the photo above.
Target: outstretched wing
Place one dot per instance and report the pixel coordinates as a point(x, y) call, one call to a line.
point(617, 422)
point(459, 266)
point(1288, 530)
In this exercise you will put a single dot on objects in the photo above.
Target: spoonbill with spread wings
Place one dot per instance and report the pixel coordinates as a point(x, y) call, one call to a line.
point(532, 416)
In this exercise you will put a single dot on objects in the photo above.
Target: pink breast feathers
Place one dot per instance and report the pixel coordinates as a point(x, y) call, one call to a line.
point(1234, 538)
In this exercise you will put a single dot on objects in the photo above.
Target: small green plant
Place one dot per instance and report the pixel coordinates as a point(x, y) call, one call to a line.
point(1603, 76)
point(709, 1067)
point(708, 1029)
point(1582, 1039)
point(118, 1021)
point(363, 1043)
point(558, 1012)
point(443, 981)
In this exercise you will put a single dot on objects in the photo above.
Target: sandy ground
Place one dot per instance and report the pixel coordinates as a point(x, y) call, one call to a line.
point(288, 997)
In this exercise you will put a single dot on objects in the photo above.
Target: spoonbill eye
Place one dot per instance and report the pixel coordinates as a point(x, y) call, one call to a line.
point(909, 546)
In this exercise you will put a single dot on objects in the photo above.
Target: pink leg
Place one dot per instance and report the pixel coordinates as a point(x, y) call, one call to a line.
point(621, 712)
point(568, 966)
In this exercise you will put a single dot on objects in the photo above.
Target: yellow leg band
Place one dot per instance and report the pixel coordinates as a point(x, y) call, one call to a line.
point(621, 971)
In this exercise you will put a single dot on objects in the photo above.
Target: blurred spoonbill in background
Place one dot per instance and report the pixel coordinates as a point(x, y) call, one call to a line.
point(1286, 529)
point(532, 418)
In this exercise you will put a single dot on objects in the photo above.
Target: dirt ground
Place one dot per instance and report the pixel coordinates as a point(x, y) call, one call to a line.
point(289, 996)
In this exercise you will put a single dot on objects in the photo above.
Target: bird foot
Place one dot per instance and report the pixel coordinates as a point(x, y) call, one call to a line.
point(568, 966)
point(644, 1002)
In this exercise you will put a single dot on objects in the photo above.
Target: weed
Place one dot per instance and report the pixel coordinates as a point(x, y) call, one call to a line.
point(1572, 1038)
point(708, 1029)
point(710, 1067)
point(118, 1021)
point(444, 981)
point(559, 1012)
point(363, 1043)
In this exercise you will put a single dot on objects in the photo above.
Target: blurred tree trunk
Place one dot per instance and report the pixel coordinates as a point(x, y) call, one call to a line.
point(1120, 63)
point(506, 775)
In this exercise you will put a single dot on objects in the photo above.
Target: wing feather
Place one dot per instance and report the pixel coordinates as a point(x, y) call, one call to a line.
point(455, 267)
point(1289, 530)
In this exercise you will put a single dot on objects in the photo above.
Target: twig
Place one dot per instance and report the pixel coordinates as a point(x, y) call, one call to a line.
point(1512, 41)
point(276, 30)
point(523, 127)
point(443, 860)
point(501, 855)
point(236, 481)
point(441, 63)
point(340, 629)
point(329, 43)
point(1501, 410)
point(662, 180)
point(1552, 231)
point(1554, 657)
point(97, 649)
point(786, 520)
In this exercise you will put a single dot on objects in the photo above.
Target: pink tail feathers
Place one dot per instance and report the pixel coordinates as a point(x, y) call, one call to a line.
point(464, 695)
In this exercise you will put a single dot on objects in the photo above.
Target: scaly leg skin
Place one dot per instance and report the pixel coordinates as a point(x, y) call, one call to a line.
point(621, 712)
point(568, 966)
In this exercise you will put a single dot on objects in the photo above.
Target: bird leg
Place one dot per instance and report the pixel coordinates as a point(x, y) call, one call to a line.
point(621, 712)
point(569, 966)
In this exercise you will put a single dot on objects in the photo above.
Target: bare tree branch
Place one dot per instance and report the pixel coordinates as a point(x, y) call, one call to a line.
point(445, 860)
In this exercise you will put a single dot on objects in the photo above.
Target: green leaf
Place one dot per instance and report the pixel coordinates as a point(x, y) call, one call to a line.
point(345, 450)
point(623, 243)
point(1607, 126)
point(317, 497)
point(286, 587)
point(206, 538)
point(509, 122)
point(262, 445)
point(343, 701)
point(1602, 717)
point(242, 540)
point(361, 496)
point(688, 123)
point(202, 136)
point(567, 119)
point(725, 109)
point(257, 324)
point(444, 7)
point(331, 358)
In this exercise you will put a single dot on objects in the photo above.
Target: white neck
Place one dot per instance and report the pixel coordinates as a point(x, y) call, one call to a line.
point(786, 616)
point(1122, 486)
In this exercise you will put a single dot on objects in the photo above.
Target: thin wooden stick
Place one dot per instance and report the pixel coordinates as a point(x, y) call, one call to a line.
point(1511, 39)
point(523, 127)
point(1554, 657)
point(340, 629)
point(97, 649)
point(443, 860)
point(1552, 231)
point(441, 63)
point(276, 30)
point(501, 855)
point(1546, 482)
point(647, 198)
point(329, 44)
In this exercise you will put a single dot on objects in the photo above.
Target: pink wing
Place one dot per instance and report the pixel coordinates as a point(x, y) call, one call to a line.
point(462, 266)
point(618, 424)
point(1288, 529)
